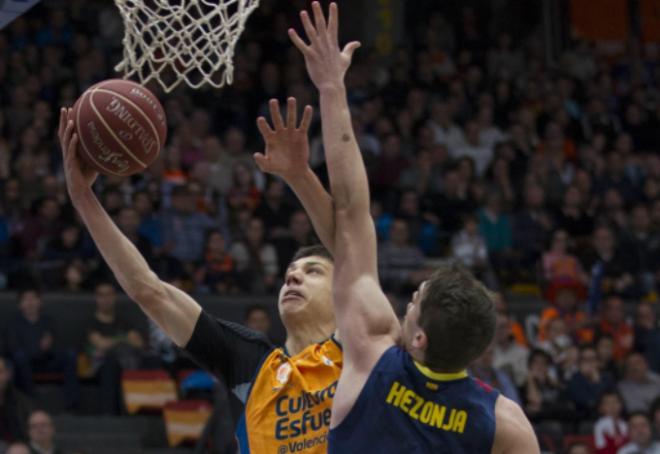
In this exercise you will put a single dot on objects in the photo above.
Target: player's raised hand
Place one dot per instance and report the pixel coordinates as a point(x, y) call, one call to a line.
point(287, 144)
point(326, 62)
point(79, 178)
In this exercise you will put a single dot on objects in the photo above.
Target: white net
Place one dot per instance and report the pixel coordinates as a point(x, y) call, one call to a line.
point(174, 41)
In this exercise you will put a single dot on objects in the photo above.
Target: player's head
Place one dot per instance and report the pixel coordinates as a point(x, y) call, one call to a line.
point(450, 320)
point(307, 291)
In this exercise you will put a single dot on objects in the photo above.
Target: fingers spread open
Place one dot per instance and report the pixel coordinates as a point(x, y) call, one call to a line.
point(264, 128)
point(291, 114)
point(333, 23)
point(319, 18)
point(312, 33)
point(298, 42)
point(275, 114)
point(307, 118)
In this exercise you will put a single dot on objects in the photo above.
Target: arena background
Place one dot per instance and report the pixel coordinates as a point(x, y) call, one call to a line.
point(520, 138)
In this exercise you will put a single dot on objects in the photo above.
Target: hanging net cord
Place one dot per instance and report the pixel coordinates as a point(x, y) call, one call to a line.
point(171, 41)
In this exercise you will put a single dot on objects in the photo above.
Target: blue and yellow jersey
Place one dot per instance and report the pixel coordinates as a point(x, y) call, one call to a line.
point(406, 408)
point(287, 399)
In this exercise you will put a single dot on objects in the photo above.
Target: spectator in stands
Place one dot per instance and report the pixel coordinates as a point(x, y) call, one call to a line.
point(559, 265)
point(605, 351)
point(565, 300)
point(258, 319)
point(641, 436)
point(42, 434)
point(508, 355)
point(299, 234)
point(469, 248)
point(531, 225)
point(641, 243)
point(216, 273)
point(558, 340)
point(517, 330)
point(274, 210)
point(256, 260)
point(483, 368)
point(572, 216)
point(613, 323)
point(128, 221)
point(40, 228)
point(14, 407)
point(244, 192)
point(18, 448)
point(32, 341)
point(610, 430)
point(543, 397)
point(184, 229)
point(647, 335)
point(400, 263)
point(588, 384)
point(495, 227)
point(113, 344)
point(69, 247)
point(150, 224)
point(639, 386)
point(611, 270)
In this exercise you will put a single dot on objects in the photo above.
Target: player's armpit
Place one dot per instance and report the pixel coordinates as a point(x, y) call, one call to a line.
point(514, 433)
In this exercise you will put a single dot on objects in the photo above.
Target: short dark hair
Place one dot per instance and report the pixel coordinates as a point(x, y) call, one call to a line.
point(255, 308)
point(635, 414)
point(315, 250)
point(458, 316)
point(29, 289)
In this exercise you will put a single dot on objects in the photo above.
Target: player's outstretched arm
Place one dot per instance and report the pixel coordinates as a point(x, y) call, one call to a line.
point(172, 309)
point(363, 313)
point(287, 156)
point(513, 434)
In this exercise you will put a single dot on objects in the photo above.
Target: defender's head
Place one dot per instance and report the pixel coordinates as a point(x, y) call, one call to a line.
point(450, 320)
point(306, 296)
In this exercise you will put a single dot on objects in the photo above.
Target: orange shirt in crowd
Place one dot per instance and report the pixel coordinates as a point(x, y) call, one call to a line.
point(583, 334)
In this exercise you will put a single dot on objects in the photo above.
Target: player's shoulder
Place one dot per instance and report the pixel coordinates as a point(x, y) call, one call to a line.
point(513, 433)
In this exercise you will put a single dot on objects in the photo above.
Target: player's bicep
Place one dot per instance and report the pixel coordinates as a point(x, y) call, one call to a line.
point(366, 323)
point(355, 245)
point(174, 311)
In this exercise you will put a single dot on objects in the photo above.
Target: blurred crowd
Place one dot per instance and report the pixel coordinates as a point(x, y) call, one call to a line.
point(537, 176)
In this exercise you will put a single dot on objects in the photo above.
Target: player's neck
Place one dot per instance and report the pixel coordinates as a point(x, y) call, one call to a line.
point(299, 339)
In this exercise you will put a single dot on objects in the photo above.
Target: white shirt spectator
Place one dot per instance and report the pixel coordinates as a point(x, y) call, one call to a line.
point(634, 448)
point(608, 428)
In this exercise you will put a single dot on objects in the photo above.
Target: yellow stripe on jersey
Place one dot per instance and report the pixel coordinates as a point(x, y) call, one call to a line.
point(439, 376)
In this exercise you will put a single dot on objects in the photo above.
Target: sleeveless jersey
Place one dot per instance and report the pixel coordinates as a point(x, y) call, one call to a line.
point(289, 402)
point(405, 408)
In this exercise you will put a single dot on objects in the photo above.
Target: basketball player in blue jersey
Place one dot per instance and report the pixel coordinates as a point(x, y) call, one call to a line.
point(403, 389)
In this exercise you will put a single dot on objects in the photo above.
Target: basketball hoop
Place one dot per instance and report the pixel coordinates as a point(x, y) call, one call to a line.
point(174, 41)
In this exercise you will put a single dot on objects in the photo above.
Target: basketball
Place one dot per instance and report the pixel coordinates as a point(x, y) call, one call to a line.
point(121, 127)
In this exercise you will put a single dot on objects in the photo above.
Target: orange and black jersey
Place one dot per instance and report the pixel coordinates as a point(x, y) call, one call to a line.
point(287, 399)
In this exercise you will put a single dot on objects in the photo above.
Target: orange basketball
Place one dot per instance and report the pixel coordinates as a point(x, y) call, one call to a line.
point(121, 127)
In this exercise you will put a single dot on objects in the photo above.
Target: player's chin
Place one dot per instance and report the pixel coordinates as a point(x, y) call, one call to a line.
point(292, 302)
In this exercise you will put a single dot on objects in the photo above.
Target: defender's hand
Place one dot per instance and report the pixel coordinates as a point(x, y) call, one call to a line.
point(287, 146)
point(79, 178)
point(326, 63)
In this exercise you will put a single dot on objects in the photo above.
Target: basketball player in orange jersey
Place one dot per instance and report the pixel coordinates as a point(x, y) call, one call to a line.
point(417, 398)
point(287, 392)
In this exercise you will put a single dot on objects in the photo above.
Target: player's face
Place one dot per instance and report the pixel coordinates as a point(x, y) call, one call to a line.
point(307, 290)
point(413, 336)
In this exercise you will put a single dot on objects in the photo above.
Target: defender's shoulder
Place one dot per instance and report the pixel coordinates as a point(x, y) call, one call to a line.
point(513, 433)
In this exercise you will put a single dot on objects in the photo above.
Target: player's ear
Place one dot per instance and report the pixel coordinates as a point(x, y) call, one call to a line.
point(419, 339)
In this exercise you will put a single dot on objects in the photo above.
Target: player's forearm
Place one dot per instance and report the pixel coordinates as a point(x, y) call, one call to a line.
point(123, 258)
point(348, 178)
point(318, 204)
